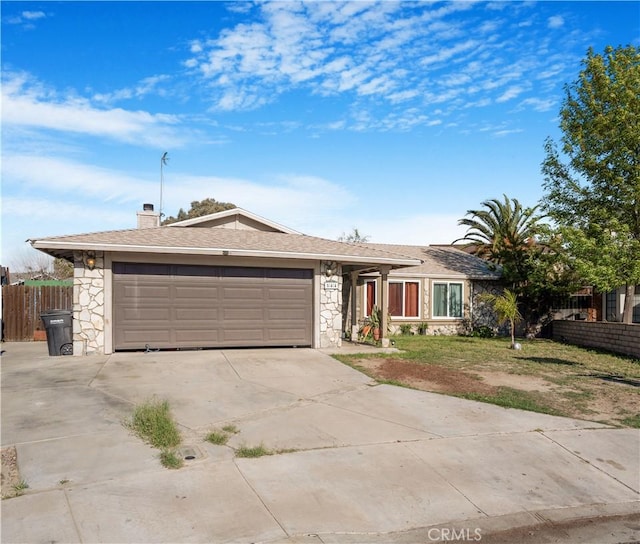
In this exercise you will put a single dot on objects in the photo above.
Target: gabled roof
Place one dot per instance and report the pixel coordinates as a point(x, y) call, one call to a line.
point(190, 240)
point(442, 261)
point(240, 233)
point(237, 218)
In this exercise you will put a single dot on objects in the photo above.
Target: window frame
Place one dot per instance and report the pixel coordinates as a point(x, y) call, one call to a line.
point(404, 283)
point(365, 308)
point(433, 299)
point(376, 297)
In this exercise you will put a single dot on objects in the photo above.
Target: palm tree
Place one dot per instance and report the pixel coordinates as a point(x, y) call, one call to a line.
point(502, 230)
point(506, 308)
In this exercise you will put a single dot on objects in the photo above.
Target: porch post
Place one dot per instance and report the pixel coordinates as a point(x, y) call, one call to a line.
point(384, 305)
point(354, 305)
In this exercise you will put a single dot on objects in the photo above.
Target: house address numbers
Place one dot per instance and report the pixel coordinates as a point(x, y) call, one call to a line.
point(330, 285)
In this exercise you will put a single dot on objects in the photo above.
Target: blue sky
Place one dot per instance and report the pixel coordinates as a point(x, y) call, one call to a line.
point(392, 117)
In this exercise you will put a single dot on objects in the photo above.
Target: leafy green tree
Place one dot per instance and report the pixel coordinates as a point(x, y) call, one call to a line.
point(354, 237)
point(502, 232)
point(506, 308)
point(62, 269)
point(198, 209)
point(594, 197)
point(515, 239)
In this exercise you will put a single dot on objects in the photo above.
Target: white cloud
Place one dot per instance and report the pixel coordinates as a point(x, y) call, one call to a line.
point(449, 53)
point(48, 196)
point(506, 132)
point(144, 87)
point(33, 15)
point(387, 56)
point(556, 21)
point(26, 103)
point(25, 18)
point(539, 104)
point(510, 93)
point(66, 177)
point(289, 199)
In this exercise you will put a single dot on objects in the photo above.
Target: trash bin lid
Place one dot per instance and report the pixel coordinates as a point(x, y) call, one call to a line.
point(56, 312)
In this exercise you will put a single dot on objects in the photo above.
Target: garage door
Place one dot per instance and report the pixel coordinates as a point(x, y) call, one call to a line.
point(176, 306)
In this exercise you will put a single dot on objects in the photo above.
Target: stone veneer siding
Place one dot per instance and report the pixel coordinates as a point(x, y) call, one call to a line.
point(330, 306)
point(482, 313)
point(617, 337)
point(88, 306)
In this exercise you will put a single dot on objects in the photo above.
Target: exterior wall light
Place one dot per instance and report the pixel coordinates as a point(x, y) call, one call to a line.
point(90, 259)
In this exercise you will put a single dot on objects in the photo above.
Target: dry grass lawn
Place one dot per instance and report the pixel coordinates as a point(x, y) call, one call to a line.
point(543, 376)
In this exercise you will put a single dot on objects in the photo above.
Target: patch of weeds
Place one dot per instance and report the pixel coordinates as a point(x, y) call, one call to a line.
point(286, 450)
point(20, 487)
point(632, 421)
point(64, 481)
point(170, 459)
point(152, 421)
point(220, 438)
point(577, 395)
point(217, 438)
point(251, 452)
point(231, 429)
point(512, 398)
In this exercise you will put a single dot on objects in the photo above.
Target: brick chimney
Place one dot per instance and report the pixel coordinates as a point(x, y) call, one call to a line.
point(147, 218)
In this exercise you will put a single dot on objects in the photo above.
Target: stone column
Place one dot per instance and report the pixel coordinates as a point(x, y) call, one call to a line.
point(88, 305)
point(330, 304)
point(354, 305)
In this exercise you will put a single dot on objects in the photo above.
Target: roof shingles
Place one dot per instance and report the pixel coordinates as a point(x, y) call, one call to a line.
point(429, 261)
point(202, 240)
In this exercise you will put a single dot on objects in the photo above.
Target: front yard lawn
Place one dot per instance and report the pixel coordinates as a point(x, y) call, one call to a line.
point(544, 376)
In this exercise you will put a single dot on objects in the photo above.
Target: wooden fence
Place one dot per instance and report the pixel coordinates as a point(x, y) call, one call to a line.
point(22, 305)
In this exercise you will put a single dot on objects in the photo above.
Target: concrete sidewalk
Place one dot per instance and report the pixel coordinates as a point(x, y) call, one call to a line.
point(363, 462)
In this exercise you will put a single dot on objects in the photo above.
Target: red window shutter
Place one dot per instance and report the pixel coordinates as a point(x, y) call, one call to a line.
point(411, 299)
point(371, 296)
point(395, 299)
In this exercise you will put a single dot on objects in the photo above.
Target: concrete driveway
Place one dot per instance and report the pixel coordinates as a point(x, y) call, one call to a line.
point(364, 462)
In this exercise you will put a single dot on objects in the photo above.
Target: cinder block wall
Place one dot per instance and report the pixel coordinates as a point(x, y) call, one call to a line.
point(616, 337)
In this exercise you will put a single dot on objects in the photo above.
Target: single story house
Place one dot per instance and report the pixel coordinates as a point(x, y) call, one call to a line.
point(587, 304)
point(234, 279)
point(440, 294)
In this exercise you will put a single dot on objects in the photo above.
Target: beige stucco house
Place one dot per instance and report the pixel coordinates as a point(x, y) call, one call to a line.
point(234, 279)
point(441, 294)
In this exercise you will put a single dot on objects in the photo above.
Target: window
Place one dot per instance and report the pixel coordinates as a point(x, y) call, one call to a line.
point(611, 306)
point(404, 298)
point(370, 296)
point(447, 299)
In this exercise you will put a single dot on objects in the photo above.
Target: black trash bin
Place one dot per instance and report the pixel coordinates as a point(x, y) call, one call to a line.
point(59, 327)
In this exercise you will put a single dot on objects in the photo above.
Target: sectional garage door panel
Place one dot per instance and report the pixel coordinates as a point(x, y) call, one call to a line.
point(183, 306)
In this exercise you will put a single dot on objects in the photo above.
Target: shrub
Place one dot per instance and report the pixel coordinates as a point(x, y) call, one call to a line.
point(406, 329)
point(483, 331)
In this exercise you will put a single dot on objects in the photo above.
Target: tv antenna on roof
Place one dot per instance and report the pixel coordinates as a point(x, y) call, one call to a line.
point(163, 162)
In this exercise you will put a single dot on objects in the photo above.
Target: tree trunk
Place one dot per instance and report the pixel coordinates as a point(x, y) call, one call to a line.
point(629, 295)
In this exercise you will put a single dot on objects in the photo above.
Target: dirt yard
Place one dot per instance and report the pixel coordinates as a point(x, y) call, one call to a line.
point(585, 397)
